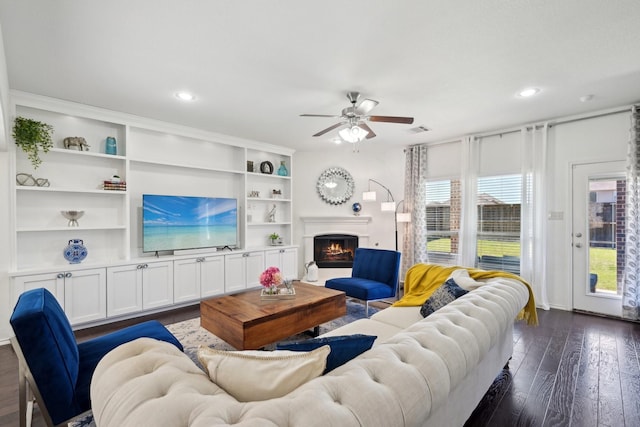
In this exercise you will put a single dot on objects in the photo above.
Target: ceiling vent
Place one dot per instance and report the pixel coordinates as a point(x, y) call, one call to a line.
point(419, 129)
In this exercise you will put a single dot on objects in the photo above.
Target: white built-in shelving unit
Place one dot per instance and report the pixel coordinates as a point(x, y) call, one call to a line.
point(152, 158)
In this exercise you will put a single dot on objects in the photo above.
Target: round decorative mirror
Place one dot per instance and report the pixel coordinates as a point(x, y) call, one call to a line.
point(335, 186)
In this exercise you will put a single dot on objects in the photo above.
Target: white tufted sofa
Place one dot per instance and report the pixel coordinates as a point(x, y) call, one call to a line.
point(420, 372)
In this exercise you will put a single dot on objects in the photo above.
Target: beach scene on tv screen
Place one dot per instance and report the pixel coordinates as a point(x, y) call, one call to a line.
point(181, 222)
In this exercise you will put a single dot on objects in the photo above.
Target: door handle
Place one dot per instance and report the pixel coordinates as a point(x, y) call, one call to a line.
point(578, 234)
point(578, 245)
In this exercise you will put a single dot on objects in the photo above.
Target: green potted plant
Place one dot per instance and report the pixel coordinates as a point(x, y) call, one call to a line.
point(275, 238)
point(32, 137)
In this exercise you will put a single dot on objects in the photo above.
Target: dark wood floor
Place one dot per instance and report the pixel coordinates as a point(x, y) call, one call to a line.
point(572, 370)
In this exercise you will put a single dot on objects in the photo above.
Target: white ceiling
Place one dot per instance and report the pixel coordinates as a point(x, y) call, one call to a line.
point(256, 65)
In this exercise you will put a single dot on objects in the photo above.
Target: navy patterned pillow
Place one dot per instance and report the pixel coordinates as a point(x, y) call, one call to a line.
point(446, 293)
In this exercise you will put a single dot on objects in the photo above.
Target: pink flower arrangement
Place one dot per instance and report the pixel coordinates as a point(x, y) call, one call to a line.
point(271, 277)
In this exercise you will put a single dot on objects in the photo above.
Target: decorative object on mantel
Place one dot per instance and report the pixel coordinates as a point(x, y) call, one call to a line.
point(32, 136)
point(276, 194)
point(275, 239)
point(27, 180)
point(335, 185)
point(75, 252)
point(110, 146)
point(73, 217)
point(282, 170)
point(270, 279)
point(254, 193)
point(271, 216)
point(266, 167)
point(75, 141)
point(356, 208)
point(250, 166)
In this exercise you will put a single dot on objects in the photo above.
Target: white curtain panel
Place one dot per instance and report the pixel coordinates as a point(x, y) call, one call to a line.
point(469, 213)
point(533, 229)
point(631, 280)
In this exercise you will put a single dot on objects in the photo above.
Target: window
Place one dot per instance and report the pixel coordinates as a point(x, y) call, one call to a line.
point(443, 221)
point(498, 239)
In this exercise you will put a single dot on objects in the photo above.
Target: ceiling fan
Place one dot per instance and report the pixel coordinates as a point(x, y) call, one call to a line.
point(354, 118)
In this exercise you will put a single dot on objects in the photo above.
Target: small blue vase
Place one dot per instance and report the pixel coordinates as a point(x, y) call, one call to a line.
point(111, 147)
point(282, 170)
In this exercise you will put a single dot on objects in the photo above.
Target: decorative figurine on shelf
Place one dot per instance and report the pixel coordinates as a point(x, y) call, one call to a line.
point(76, 141)
point(282, 170)
point(271, 216)
point(356, 208)
point(276, 194)
point(75, 252)
point(110, 146)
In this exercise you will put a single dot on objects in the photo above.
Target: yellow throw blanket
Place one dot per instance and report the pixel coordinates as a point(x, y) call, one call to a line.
point(422, 280)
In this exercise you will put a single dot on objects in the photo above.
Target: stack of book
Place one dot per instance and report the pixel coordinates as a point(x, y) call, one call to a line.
point(115, 185)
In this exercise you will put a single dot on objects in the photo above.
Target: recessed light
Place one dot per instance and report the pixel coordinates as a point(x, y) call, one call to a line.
point(185, 96)
point(586, 98)
point(525, 93)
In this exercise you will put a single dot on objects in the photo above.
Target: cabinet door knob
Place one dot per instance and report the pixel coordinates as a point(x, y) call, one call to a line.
point(245, 254)
point(60, 276)
point(67, 274)
point(145, 266)
point(281, 251)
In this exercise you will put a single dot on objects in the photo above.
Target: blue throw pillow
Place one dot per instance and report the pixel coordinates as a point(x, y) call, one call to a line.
point(446, 293)
point(343, 348)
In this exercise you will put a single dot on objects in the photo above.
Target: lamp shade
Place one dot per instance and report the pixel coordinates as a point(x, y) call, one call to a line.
point(369, 196)
point(388, 206)
point(403, 217)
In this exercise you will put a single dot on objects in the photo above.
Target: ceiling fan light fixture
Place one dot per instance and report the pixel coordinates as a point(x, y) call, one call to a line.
point(353, 134)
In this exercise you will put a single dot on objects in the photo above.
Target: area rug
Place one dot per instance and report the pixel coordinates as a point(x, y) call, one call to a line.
point(191, 336)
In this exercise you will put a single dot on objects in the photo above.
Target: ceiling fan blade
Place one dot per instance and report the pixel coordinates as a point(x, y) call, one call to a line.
point(318, 115)
point(391, 119)
point(329, 129)
point(366, 127)
point(365, 106)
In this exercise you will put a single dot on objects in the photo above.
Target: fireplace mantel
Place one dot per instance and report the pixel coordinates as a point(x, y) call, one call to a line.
point(361, 219)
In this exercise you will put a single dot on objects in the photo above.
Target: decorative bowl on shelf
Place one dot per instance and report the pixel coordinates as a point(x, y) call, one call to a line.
point(73, 217)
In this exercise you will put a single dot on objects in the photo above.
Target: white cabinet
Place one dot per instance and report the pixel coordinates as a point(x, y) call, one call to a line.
point(195, 278)
point(85, 295)
point(157, 284)
point(286, 259)
point(135, 287)
point(124, 290)
point(81, 293)
point(243, 270)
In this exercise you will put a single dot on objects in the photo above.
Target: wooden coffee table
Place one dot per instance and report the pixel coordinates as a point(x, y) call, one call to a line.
point(248, 322)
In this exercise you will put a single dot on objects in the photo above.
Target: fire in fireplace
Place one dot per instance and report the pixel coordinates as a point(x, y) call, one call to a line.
point(334, 250)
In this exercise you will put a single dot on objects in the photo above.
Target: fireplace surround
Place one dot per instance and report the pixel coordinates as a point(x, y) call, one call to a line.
point(313, 226)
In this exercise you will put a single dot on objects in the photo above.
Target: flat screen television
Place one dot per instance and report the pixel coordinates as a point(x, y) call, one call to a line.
point(184, 222)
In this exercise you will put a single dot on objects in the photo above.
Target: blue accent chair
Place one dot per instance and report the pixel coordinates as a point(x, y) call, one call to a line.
point(374, 276)
point(55, 369)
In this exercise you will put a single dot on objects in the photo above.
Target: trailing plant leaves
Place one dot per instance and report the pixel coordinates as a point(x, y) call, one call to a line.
point(32, 137)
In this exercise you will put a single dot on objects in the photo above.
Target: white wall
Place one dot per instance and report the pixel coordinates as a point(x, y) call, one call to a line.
point(5, 310)
point(371, 162)
point(584, 141)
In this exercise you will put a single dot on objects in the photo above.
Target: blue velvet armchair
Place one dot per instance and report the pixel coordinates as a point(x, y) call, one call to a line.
point(55, 369)
point(374, 276)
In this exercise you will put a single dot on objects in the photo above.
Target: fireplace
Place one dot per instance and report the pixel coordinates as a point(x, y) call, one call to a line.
point(334, 250)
